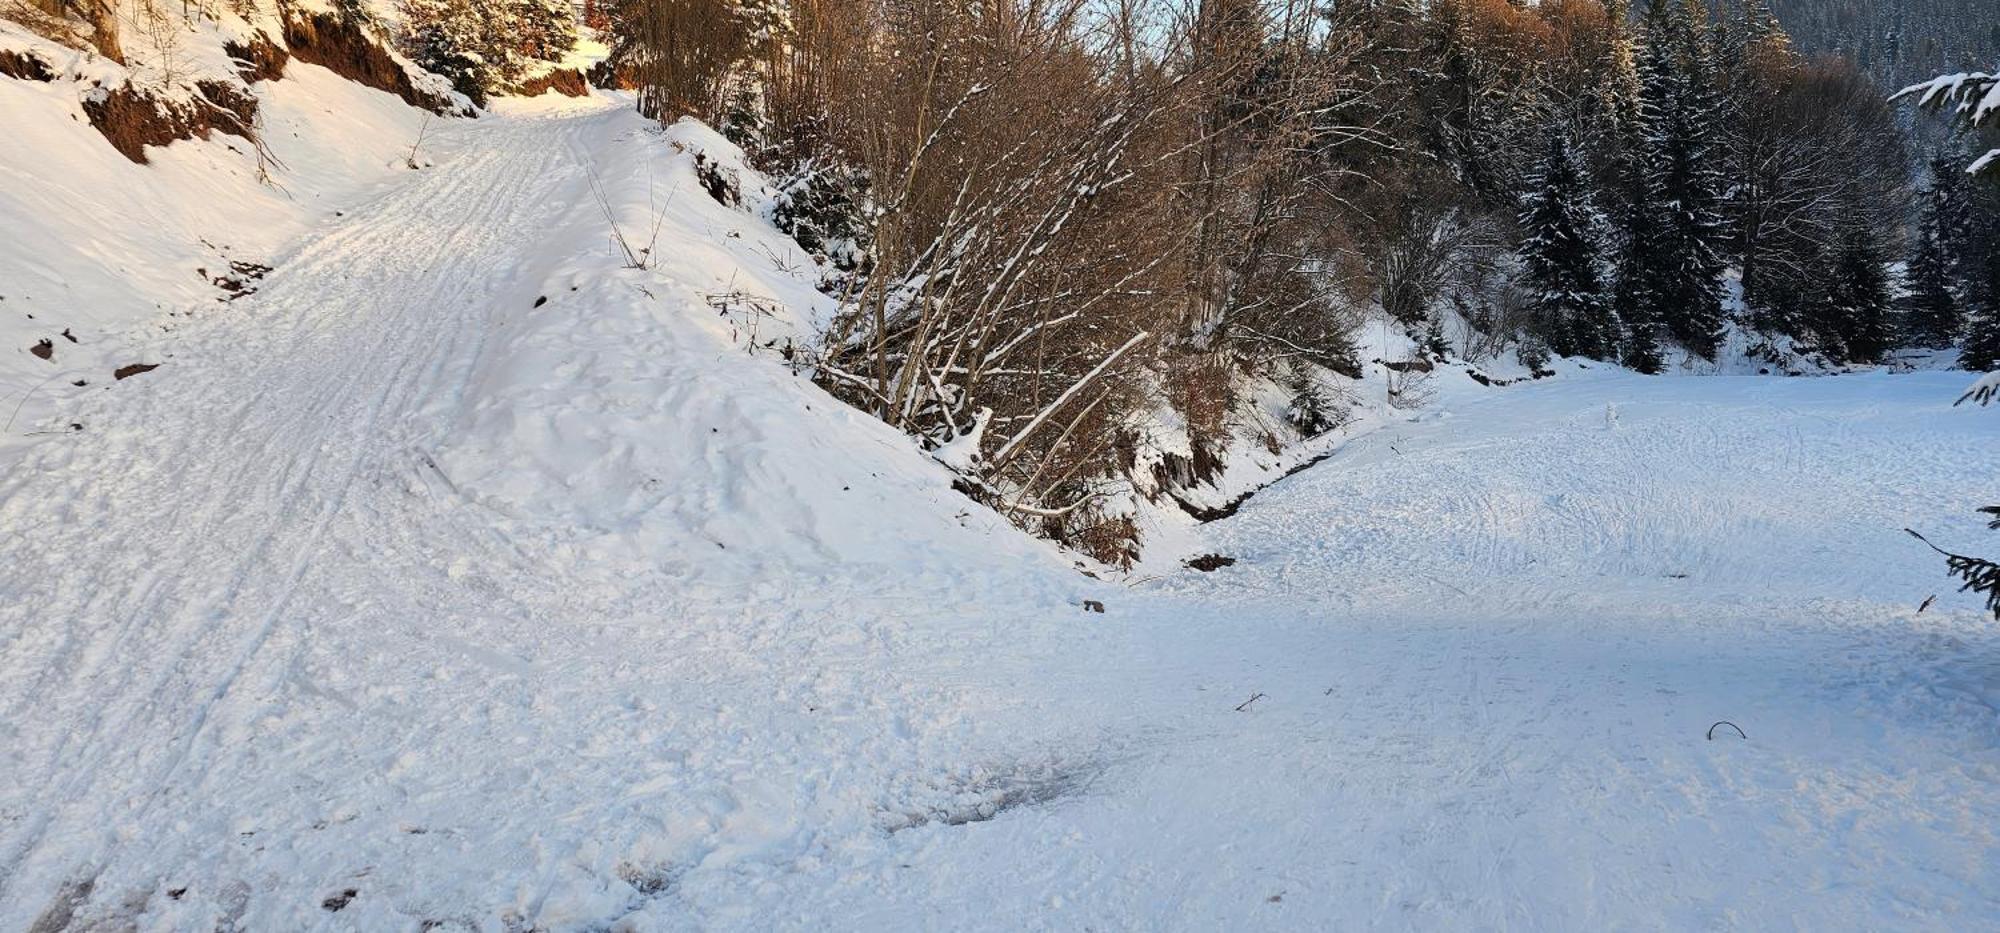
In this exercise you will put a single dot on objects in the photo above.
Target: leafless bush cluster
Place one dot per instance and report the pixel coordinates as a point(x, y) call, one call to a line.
point(1061, 224)
point(1070, 208)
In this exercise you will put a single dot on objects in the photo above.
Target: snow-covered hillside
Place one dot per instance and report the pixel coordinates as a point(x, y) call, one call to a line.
point(101, 250)
point(476, 571)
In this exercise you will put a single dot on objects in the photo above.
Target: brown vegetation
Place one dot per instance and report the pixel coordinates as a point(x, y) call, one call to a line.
point(1068, 227)
point(568, 82)
point(1072, 221)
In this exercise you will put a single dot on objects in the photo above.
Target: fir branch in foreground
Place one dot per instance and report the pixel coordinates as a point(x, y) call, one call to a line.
point(1980, 575)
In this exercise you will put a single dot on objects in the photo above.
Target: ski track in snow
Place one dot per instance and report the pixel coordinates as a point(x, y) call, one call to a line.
point(211, 496)
point(260, 650)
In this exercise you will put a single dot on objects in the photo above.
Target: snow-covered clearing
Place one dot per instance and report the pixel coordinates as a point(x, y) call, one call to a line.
point(400, 598)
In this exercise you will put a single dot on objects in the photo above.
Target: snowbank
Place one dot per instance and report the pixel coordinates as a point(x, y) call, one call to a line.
point(103, 251)
point(648, 415)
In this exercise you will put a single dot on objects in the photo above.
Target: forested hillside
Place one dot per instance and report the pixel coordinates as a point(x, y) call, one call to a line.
point(1897, 41)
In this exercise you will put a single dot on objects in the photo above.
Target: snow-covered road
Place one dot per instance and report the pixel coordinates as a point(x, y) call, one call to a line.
point(271, 657)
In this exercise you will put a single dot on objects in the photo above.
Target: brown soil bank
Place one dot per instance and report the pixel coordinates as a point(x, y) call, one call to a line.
point(25, 65)
point(259, 59)
point(345, 48)
point(131, 119)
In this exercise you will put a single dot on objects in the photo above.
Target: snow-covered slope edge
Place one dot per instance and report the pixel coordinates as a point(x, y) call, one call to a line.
point(401, 590)
point(639, 408)
point(102, 250)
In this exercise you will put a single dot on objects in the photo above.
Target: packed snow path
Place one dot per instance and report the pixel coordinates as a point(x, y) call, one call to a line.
point(156, 562)
point(263, 665)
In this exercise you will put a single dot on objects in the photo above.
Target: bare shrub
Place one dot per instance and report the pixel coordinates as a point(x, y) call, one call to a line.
point(1072, 214)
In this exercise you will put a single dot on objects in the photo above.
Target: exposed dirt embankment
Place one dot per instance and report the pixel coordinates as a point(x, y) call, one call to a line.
point(258, 59)
point(25, 65)
point(346, 49)
point(132, 119)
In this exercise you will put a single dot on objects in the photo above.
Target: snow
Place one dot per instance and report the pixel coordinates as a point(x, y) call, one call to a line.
point(590, 613)
point(106, 249)
point(1983, 390)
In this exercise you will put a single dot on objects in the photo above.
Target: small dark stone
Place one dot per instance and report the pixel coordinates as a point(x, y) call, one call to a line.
point(45, 349)
point(541, 301)
point(1091, 605)
point(68, 336)
point(336, 902)
point(126, 372)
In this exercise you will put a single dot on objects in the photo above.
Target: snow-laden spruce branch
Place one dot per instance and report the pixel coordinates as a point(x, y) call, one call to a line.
point(1973, 97)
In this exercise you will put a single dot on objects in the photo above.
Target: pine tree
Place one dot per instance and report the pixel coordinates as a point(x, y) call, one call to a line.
point(1679, 188)
point(1932, 315)
point(1855, 314)
point(1621, 91)
point(1974, 230)
point(1563, 252)
point(1982, 340)
point(1639, 239)
point(1966, 96)
point(484, 45)
point(1761, 28)
point(451, 38)
point(1463, 120)
point(542, 30)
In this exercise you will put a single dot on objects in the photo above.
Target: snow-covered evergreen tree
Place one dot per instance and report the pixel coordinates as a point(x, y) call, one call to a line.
point(1621, 91)
point(483, 45)
point(542, 30)
point(1853, 322)
point(1982, 340)
point(1974, 233)
point(1679, 186)
point(1563, 251)
point(1932, 315)
point(1633, 293)
point(1973, 97)
point(452, 38)
point(1981, 265)
point(1761, 28)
